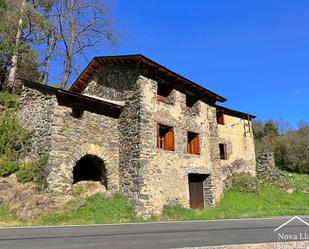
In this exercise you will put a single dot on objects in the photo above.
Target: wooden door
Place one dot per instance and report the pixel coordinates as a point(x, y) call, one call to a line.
point(196, 190)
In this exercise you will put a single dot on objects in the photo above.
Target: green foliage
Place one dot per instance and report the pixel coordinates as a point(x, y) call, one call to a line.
point(269, 201)
point(281, 155)
point(14, 140)
point(284, 182)
point(291, 148)
point(33, 171)
point(98, 209)
point(8, 100)
point(270, 129)
point(243, 182)
point(6, 215)
point(8, 166)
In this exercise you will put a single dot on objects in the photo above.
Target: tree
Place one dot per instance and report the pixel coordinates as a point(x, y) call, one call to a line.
point(270, 129)
point(17, 42)
point(258, 129)
point(283, 125)
point(82, 24)
point(21, 26)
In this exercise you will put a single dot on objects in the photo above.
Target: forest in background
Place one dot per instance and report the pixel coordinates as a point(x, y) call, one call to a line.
point(36, 34)
point(291, 147)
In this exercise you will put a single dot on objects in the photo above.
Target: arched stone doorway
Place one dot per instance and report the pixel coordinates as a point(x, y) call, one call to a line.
point(90, 168)
point(61, 178)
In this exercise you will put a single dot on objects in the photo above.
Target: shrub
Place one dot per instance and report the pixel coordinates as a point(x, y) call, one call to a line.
point(282, 182)
point(243, 182)
point(8, 100)
point(14, 140)
point(33, 171)
point(304, 168)
point(8, 166)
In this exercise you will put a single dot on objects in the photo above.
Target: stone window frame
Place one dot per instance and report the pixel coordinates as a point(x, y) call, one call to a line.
point(191, 101)
point(223, 151)
point(220, 118)
point(165, 137)
point(165, 93)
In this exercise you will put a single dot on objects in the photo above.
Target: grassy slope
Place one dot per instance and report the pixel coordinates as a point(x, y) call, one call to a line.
point(100, 209)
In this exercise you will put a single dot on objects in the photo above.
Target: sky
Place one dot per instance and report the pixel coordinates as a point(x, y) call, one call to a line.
point(254, 53)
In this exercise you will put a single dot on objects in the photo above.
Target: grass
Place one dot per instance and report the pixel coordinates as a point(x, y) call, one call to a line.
point(100, 209)
point(7, 218)
point(266, 203)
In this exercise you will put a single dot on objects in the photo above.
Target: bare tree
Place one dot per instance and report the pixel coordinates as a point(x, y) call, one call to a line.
point(82, 24)
point(13, 69)
point(51, 42)
point(283, 125)
point(302, 124)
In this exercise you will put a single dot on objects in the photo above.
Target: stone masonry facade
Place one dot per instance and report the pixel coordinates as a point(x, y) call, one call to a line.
point(127, 142)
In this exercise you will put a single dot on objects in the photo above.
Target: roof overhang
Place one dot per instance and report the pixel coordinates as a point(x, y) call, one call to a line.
point(76, 99)
point(235, 113)
point(81, 82)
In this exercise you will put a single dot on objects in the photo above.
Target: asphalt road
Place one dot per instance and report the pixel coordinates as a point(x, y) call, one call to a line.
point(153, 235)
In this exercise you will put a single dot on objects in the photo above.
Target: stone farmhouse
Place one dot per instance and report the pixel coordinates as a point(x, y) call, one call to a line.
point(141, 129)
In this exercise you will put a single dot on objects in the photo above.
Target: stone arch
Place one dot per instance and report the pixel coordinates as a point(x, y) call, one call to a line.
point(90, 168)
point(100, 155)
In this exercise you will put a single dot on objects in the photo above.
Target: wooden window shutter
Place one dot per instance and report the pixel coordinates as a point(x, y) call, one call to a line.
point(169, 140)
point(193, 146)
point(196, 144)
point(220, 118)
point(225, 151)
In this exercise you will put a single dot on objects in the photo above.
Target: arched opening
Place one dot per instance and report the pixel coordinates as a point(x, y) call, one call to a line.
point(90, 168)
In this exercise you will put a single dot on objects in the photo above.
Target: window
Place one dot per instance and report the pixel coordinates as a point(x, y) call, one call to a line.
point(163, 92)
point(77, 112)
point(190, 101)
point(223, 152)
point(220, 117)
point(165, 137)
point(193, 143)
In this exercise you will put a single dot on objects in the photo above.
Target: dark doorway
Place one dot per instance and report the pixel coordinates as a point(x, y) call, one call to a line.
point(196, 189)
point(90, 168)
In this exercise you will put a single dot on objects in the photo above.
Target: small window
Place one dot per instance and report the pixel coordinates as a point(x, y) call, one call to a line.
point(165, 137)
point(77, 112)
point(193, 143)
point(163, 92)
point(220, 117)
point(223, 152)
point(190, 101)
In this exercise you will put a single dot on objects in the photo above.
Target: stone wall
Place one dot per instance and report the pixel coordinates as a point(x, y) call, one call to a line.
point(121, 82)
point(36, 113)
point(113, 81)
point(165, 173)
point(67, 139)
point(265, 163)
point(149, 177)
point(73, 138)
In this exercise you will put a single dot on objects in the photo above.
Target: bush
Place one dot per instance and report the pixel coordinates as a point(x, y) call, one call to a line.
point(242, 182)
point(282, 182)
point(304, 168)
point(8, 166)
point(14, 140)
point(8, 100)
point(33, 171)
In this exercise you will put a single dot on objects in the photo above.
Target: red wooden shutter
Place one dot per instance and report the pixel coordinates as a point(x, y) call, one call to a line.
point(169, 140)
point(196, 145)
point(225, 151)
